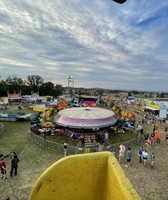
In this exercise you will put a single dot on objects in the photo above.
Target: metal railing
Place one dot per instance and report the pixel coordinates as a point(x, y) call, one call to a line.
point(43, 142)
point(78, 149)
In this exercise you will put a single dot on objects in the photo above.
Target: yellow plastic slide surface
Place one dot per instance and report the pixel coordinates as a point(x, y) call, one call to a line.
point(93, 176)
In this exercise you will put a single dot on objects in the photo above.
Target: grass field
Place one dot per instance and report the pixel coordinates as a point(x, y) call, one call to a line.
point(151, 184)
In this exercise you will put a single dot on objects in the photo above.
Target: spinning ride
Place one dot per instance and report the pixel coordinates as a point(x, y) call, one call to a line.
point(90, 118)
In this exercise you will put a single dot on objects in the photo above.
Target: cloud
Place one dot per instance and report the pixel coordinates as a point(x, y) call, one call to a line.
point(100, 43)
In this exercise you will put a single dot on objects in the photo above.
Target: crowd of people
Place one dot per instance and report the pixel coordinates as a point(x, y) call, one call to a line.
point(125, 154)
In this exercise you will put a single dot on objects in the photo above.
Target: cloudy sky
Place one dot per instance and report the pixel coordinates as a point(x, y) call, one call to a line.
point(99, 42)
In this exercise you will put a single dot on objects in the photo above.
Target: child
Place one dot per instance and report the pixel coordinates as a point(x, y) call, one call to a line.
point(148, 144)
point(152, 159)
point(3, 168)
point(152, 140)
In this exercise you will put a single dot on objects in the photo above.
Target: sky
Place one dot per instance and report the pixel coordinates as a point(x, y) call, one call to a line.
point(100, 43)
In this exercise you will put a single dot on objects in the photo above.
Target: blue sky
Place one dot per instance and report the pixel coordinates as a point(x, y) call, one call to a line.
point(99, 42)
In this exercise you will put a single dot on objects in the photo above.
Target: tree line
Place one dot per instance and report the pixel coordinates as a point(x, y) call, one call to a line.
point(36, 84)
point(32, 84)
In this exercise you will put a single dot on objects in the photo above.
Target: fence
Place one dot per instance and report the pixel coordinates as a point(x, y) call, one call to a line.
point(129, 143)
point(78, 149)
point(43, 142)
point(2, 128)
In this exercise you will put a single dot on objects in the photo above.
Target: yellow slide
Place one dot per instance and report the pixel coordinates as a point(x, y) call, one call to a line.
point(93, 176)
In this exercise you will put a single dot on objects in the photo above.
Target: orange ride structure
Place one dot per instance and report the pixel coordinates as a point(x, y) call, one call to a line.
point(92, 176)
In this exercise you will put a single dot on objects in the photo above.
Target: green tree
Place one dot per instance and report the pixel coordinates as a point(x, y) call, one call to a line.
point(34, 82)
point(46, 89)
point(58, 90)
point(26, 90)
point(3, 88)
point(14, 84)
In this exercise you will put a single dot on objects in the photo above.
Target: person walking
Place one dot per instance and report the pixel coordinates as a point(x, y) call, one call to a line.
point(152, 138)
point(140, 151)
point(14, 164)
point(65, 149)
point(121, 153)
point(140, 128)
point(145, 156)
point(156, 127)
point(129, 157)
point(146, 136)
point(158, 137)
point(166, 138)
point(152, 159)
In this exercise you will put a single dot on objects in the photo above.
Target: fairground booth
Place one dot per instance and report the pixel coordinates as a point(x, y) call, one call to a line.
point(14, 98)
point(33, 98)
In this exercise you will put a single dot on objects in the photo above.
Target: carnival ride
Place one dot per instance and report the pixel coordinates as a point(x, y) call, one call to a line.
point(14, 117)
point(123, 114)
point(93, 176)
point(89, 117)
point(85, 118)
point(126, 119)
